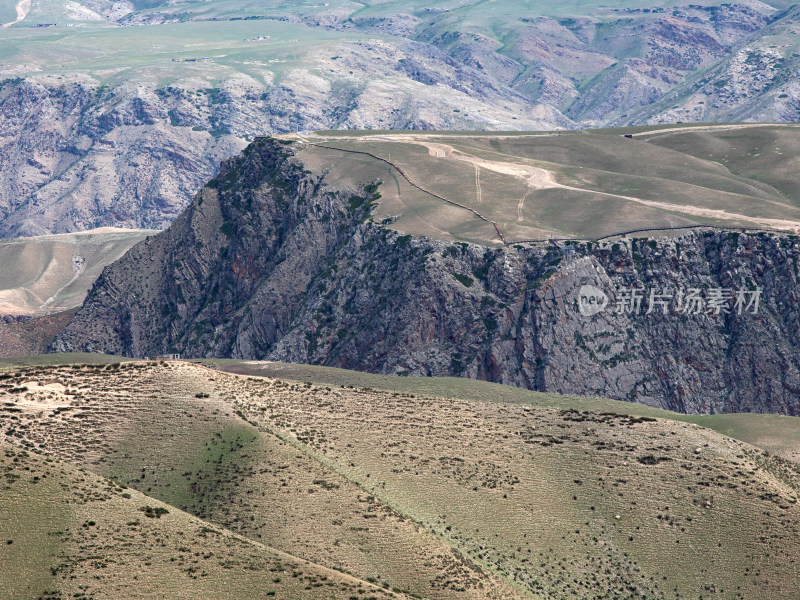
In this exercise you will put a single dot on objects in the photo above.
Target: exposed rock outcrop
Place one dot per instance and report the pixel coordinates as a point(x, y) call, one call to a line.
point(26, 336)
point(270, 262)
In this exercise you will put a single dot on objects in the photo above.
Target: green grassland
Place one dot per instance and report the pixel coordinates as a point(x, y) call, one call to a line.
point(112, 55)
point(767, 156)
point(30, 513)
point(444, 487)
point(67, 532)
point(778, 434)
point(63, 358)
point(586, 184)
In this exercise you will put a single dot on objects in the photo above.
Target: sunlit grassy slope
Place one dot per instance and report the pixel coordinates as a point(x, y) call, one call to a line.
point(69, 533)
point(52, 273)
point(494, 496)
point(776, 433)
point(585, 184)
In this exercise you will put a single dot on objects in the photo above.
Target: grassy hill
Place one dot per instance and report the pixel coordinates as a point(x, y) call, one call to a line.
point(69, 533)
point(462, 494)
point(49, 274)
point(777, 434)
point(585, 184)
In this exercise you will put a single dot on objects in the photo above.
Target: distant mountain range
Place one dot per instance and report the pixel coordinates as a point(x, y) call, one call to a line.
point(116, 115)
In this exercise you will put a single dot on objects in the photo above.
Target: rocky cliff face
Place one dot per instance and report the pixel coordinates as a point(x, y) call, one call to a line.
point(270, 262)
point(27, 336)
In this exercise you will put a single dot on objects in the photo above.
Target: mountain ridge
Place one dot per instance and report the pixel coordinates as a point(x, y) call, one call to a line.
point(126, 141)
point(272, 261)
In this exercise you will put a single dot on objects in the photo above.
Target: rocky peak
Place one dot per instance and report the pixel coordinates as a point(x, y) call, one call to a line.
point(271, 261)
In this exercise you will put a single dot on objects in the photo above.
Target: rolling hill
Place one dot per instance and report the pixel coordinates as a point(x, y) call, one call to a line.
point(68, 532)
point(778, 434)
point(544, 497)
point(50, 274)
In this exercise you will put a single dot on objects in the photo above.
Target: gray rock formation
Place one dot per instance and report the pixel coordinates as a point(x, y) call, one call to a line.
point(77, 156)
point(271, 262)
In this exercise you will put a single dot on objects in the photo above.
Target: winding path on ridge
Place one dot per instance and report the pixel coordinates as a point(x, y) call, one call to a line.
point(23, 7)
point(537, 178)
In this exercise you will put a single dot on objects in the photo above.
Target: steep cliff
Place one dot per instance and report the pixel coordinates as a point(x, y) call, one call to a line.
point(272, 262)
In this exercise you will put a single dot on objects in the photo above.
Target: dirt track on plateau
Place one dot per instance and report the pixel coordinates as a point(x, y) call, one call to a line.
point(23, 7)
